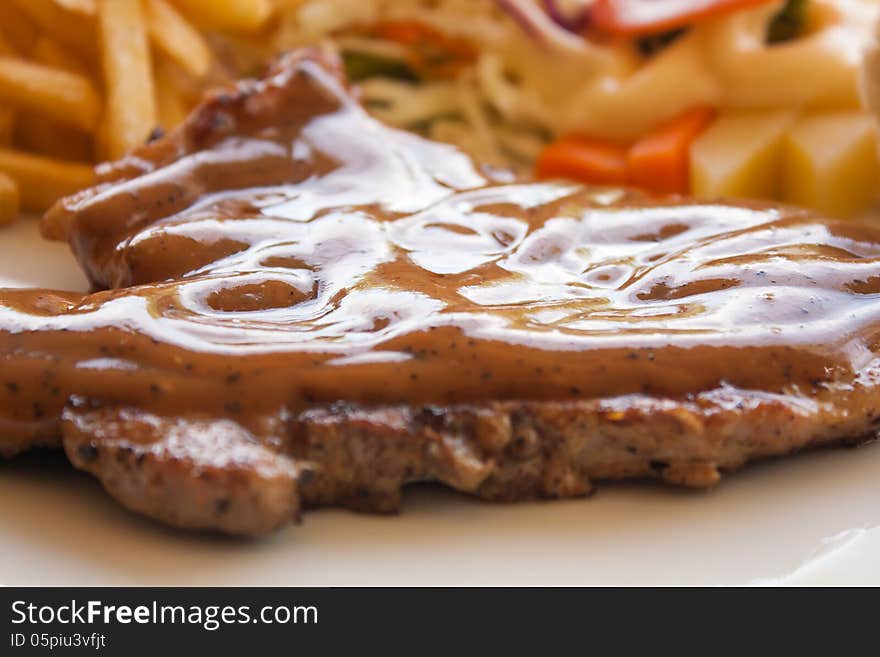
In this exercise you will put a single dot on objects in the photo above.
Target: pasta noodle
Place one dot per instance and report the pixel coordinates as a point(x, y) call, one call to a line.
point(506, 80)
point(821, 67)
point(624, 108)
point(520, 90)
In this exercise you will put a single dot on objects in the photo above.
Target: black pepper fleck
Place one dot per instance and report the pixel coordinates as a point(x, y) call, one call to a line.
point(87, 452)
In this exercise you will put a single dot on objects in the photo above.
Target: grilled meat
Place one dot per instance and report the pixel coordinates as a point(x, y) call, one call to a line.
point(297, 306)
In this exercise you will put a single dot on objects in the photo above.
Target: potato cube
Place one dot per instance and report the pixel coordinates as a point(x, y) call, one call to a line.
point(830, 163)
point(739, 155)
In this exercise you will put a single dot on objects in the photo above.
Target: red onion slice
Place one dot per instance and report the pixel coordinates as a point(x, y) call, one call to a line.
point(571, 15)
point(537, 24)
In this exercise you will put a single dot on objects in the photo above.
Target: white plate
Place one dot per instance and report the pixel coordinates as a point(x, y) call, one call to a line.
point(805, 519)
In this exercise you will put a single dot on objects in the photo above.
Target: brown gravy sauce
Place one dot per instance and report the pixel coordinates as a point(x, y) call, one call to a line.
point(330, 258)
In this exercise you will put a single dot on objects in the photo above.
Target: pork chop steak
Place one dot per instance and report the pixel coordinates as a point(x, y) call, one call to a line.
point(301, 307)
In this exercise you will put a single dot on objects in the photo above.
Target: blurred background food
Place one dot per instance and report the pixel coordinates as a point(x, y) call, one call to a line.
point(742, 98)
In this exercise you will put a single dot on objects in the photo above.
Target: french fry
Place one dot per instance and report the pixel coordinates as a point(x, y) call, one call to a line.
point(242, 52)
point(177, 38)
point(130, 112)
point(239, 15)
point(74, 30)
point(7, 123)
point(6, 47)
point(51, 53)
point(103, 142)
point(66, 97)
point(188, 88)
point(45, 137)
point(85, 7)
point(17, 28)
point(8, 199)
point(78, 80)
point(42, 180)
point(172, 103)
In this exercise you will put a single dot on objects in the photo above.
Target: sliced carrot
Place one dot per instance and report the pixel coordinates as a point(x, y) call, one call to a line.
point(639, 17)
point(405, 32)
point(581, 158)
point(660, 161)
point(432, 54)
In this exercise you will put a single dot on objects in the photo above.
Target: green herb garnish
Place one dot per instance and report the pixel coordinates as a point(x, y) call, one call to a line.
point(361, 65)
point(788, 23)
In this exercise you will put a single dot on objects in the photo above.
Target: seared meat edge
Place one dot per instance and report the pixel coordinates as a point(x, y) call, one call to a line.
point(214, 474)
